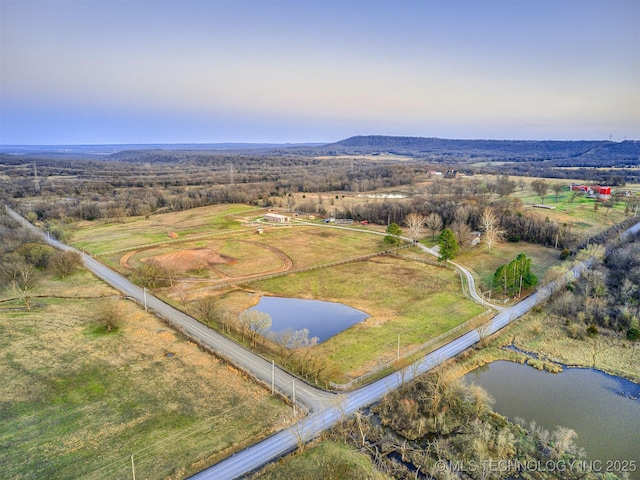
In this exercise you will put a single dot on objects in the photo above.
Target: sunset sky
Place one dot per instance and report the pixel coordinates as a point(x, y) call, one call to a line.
point(119, 71)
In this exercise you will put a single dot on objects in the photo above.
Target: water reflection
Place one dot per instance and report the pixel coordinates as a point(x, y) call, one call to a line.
point(603, 410)
point(321, 319)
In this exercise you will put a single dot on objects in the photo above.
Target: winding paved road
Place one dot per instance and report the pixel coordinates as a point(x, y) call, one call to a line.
point(324, 408)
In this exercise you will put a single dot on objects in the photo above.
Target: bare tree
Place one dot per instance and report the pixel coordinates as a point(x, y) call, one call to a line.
point(541, 187)
point(110, 316)
point(557, 188)
point(462, 214)
point(490, 226)
point(301, 433)
point(171, 274)
point(462, 231)
point(206, 307)
point(151, 272)
point(434, 224)
point(254, 323)
point(11, 264)
point(24, 284)
point(63, 263)
point(415, 222)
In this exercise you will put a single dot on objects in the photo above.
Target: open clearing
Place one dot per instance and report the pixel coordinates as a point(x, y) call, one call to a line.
point(407, 298)
point(483, 263)
point(403, 297)
point(78, 402)
point(97, 238)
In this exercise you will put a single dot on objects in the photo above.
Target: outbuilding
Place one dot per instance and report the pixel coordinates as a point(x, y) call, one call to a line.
point(277, 218)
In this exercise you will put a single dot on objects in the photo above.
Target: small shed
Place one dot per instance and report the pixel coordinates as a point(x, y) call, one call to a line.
point(277, 218)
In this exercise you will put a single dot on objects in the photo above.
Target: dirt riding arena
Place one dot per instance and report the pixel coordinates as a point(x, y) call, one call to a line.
point(205, 264)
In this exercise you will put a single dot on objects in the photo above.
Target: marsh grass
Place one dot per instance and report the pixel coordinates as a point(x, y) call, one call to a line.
point(549, 338)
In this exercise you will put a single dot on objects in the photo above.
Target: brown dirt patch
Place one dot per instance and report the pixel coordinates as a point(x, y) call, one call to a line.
point(183, 261)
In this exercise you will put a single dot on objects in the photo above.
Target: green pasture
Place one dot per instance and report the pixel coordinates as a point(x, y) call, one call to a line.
point(406, 298)
point(483, 263)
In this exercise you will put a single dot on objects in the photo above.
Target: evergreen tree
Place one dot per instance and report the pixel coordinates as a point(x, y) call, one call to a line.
point(393, 235)
point(449, 247)
point(512, 278)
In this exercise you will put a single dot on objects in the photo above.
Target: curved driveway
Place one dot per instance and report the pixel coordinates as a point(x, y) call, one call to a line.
point(325, 409)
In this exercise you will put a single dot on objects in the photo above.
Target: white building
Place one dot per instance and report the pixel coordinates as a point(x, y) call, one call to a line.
point(277, 218)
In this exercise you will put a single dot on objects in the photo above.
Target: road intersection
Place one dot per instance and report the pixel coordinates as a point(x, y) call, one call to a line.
point(324, 409)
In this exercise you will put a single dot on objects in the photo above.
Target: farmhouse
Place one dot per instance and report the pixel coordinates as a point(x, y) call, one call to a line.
point(277, 218)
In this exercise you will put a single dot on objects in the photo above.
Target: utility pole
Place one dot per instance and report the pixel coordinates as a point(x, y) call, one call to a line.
point(231, 180)
point(133, 468)
point(144, 291)
point(293, 385)
point(398, 346)
point(36, 180)
point(273, 376)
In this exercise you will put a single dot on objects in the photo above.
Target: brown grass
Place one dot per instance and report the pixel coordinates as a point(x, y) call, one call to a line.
point(77, 402)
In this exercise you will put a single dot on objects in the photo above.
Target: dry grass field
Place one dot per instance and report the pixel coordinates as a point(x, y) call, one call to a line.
point(97, 238)
point(78, 401)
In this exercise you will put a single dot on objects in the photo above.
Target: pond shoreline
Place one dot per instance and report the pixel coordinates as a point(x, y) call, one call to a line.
point(602, 409)
point(537, 343)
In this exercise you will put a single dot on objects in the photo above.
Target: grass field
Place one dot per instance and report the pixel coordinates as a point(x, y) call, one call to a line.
point(97, 238)
point(579, 214)
point(483, 263)
point(77, 402)
point(403, 297)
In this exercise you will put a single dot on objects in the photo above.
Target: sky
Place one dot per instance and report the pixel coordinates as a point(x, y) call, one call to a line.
point(146, 71)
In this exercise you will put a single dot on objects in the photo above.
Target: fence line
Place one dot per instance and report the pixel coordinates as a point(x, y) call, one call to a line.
point(466, 290)
point(235, 216)
point(304, 269)
point(424, 346)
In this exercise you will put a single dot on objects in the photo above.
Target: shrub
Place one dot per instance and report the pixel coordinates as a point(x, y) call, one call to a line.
point(592, 330)
point(633, 334)
point(566, 253)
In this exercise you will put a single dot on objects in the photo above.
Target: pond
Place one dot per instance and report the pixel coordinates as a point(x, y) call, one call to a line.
point(603, 410)
point(322, 319)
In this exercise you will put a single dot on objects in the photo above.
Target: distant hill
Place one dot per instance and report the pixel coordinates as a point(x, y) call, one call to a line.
point(553, 153)
point(511, 150)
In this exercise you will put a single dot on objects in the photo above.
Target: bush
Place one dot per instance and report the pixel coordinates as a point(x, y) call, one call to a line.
point(109, 318)
point(633, 334)
point(64, 263)
point(592, 330)
point(566, 253)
